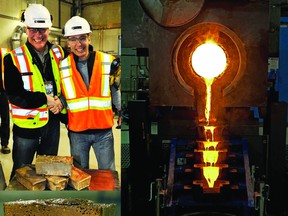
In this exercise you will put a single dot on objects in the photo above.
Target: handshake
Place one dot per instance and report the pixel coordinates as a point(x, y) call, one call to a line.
point(54, 104)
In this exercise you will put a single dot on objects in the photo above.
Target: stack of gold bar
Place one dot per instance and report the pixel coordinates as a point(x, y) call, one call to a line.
point(52, 173)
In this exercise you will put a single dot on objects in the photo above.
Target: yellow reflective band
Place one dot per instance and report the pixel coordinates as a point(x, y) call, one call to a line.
point(84, 104)
point(100, 103)
point(78, 105)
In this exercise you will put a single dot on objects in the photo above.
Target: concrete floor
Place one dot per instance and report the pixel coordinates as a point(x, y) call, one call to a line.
point(64, 150)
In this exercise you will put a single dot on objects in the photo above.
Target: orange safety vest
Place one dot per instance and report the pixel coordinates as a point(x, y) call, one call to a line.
point(3, 52)
point(87, 108)
point(32, 79)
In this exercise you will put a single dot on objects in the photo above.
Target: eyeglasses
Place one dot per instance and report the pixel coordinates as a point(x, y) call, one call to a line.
point(81, 39)
point(35, 30)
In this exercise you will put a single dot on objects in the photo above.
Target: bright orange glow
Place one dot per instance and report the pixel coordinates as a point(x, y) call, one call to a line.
point(209, 132)
point(209, 60)
point(211, 174)
point(209, 144)
point(210, 157)
point(208, 99)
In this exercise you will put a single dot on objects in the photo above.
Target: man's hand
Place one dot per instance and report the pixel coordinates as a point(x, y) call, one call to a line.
point(54, 104)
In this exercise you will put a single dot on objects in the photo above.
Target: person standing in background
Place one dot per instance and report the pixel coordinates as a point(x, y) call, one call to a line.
point(85, 85)
point(32, 83)
point(4, 109)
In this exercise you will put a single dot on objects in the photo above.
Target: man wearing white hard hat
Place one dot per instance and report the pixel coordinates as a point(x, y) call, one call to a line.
point(32, 83)
point(85, 86)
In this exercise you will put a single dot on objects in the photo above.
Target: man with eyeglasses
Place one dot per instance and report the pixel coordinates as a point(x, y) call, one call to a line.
point(86, 88)
point(32, 83)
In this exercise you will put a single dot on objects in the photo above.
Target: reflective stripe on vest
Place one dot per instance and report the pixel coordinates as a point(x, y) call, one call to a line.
point(23, 66)
point(92, 102)
point(106, 64)
point(58, 54)
point(66, 71)
point(40, 113)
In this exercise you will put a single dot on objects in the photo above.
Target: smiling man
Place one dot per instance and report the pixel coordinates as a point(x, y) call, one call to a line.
point(32, 83)
point(86, 88)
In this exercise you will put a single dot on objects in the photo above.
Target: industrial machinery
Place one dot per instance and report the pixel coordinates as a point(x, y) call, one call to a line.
point(213, 109)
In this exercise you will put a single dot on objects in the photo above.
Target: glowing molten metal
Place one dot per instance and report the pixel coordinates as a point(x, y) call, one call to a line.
point(209, 62)
point(211, 174)
point(210, 157)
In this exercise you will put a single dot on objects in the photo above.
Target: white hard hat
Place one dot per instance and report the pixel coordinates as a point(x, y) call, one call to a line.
point(76, 26)
point(37, 16)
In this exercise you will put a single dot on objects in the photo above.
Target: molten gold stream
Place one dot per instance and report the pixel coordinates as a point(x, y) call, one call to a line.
point(208, 83)
point(209, 62)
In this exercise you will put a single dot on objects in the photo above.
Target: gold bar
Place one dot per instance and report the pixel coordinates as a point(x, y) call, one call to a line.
point(79, 179)
point(29, 179)
point(54, 165)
